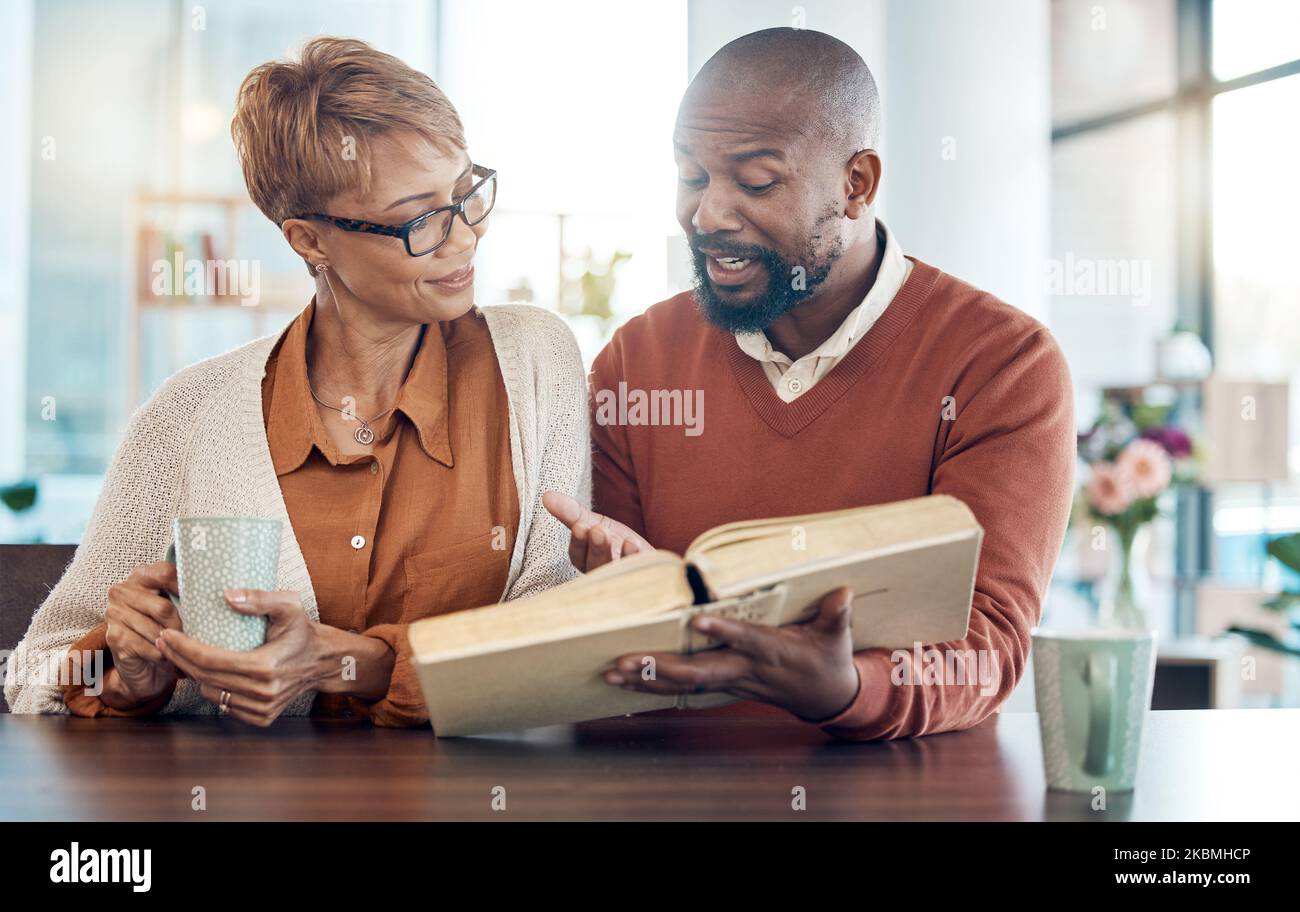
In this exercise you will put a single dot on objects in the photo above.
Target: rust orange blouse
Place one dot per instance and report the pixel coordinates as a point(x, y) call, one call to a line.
point(423, 525)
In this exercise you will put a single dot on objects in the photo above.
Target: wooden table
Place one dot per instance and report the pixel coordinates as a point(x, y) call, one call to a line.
point(1196, 765)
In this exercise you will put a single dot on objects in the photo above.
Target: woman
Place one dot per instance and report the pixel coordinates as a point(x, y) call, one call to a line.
point(403, 436)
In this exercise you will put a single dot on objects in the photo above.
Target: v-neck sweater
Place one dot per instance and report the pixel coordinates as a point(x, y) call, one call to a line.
point(951, 391)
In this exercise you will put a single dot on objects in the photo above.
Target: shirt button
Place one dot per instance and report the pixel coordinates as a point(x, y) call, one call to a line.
point(374, 468)
point(795, 385)
point(358, 542)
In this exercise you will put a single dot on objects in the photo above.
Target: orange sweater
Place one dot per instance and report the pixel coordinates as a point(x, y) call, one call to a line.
point(951, 391)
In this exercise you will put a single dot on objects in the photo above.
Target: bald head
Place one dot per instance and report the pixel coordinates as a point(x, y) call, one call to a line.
point(816, 82)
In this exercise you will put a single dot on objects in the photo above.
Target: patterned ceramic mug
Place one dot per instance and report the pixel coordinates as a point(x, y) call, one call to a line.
point(213, 553)
point(1093, 689)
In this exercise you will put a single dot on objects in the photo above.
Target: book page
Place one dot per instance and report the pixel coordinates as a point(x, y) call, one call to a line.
point(641, 585)
point(731, 557)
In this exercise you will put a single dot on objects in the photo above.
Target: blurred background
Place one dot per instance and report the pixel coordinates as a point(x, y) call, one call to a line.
point(1123, 170)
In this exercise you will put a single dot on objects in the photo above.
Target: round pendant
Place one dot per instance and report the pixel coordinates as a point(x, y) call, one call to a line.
point(363, 435)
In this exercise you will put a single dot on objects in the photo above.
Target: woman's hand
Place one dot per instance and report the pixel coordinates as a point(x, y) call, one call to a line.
point(262, 682)
point(594, 539)
point(138, 611)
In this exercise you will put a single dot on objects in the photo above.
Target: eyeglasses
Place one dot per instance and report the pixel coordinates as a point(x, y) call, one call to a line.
point(424, 234)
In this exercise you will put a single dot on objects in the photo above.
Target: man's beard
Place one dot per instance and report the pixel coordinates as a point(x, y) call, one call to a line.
point(784, 291)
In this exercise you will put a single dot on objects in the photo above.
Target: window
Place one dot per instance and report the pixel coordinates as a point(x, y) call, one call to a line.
point(1110, 56)
point(155, 118)
point(1114, 200)
point(1254, 35)
point(1256, 295)
point(1174, 132)
point(1257, 230)
point(575, 108)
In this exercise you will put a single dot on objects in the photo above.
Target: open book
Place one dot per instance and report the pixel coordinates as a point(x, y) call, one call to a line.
point(540, 660)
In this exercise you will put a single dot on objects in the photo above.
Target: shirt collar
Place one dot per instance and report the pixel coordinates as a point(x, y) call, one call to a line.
point(294, 426)
point(423, 396)
point(893, 271)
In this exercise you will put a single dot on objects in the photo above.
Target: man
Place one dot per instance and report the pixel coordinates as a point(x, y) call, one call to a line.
point(835, 373)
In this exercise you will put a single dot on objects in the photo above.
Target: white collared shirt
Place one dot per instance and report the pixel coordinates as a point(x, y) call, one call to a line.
point(791, 379)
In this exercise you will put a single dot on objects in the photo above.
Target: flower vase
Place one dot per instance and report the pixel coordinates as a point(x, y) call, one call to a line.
point(1123, 603)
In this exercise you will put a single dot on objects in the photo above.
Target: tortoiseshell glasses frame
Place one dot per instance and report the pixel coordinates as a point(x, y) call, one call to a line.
point(418, 234)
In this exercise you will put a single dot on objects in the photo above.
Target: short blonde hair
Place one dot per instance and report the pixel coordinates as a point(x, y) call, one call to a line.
point(302, 129)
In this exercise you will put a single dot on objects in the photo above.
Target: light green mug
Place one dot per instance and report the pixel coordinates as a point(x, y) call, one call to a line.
point(213, 553)
point(1093, 690)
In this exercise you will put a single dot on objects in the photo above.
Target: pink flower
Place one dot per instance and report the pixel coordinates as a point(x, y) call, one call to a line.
point(1108, 489)
point(1146, 465)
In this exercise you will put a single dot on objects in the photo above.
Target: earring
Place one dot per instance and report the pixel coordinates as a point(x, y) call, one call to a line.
point(321, 267)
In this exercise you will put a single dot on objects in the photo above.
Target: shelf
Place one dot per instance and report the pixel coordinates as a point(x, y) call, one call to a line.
point(158, 230)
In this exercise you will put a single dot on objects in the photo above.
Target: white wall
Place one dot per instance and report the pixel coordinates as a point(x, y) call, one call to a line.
point(977, 73)
point(15, 163)
point(712, 23)
point(972, 77)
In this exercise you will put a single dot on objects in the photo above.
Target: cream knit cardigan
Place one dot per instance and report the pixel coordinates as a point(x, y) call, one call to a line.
point(198, 447)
